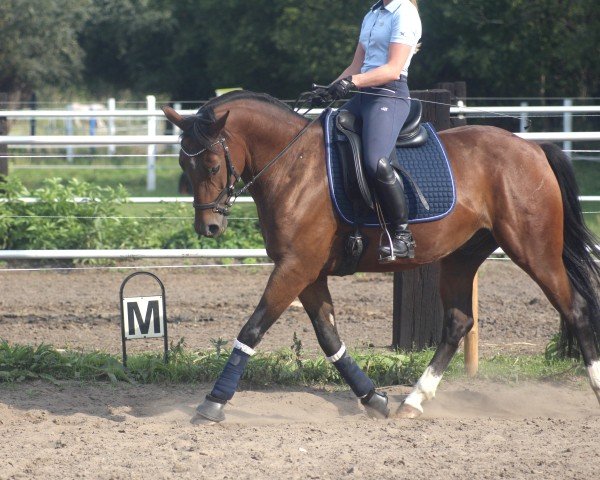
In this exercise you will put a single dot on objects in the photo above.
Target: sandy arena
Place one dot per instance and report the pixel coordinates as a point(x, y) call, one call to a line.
point(473, 429)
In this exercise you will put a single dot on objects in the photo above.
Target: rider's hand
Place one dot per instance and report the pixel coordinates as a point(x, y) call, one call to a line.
point(341, 88)
point(320, 96)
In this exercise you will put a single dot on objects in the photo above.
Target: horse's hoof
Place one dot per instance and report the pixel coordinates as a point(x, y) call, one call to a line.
point(407, 411)
point(376, 406)
point(198, 419)
point(210, 410)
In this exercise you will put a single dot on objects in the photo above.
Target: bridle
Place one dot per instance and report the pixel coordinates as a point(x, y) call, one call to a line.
point(229, 192)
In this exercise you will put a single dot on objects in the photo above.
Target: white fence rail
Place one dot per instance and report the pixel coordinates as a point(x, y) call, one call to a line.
point(132, 254)
point(140, 113)
point(151, 139)
point(584, 198)
point(95, 140)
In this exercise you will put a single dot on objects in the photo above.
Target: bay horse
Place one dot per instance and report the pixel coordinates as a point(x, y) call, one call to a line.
point(511, 193)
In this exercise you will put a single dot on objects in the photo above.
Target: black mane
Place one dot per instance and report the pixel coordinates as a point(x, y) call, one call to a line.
point(197, 126)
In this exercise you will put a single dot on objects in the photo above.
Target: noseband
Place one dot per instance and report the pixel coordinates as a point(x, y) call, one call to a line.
point(229, 193)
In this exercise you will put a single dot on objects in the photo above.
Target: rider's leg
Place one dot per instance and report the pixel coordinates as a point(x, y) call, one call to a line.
point(383, 118)
point(391, 194)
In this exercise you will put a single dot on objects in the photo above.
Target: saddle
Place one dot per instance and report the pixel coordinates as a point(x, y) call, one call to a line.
point(349, 146)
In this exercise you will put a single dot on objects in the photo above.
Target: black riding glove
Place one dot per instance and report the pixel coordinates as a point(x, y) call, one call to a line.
point(320, 96)
point(341, 88)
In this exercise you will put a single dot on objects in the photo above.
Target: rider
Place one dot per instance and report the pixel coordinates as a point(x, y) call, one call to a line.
point(389, 37)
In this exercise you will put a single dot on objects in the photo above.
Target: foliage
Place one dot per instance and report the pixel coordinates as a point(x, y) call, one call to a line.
point(283, 367)
point(127, 43)
point(57, 222)
point(512, 47)
point(39, 44)
point(186, 49)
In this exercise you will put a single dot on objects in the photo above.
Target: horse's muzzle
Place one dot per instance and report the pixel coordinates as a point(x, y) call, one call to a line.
point(212, 227)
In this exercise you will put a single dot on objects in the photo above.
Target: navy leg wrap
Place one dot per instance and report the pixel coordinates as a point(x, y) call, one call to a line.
point(230, 376)
point(360, 384)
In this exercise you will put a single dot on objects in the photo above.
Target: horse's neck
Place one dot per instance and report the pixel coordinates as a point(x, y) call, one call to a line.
point(266, 132)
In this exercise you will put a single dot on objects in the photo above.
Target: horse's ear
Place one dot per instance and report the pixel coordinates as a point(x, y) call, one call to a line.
point(219, 125)
point(173, 116)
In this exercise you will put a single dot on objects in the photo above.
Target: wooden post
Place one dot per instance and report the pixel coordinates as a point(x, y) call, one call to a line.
point(3, 131)
point(418, 312)
point(472, 338)
point(458, 95)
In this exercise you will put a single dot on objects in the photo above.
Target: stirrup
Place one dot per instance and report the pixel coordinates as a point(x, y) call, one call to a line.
point(392, 255)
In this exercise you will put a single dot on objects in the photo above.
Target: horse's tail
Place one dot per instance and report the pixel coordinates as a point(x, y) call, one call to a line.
point(580, 249)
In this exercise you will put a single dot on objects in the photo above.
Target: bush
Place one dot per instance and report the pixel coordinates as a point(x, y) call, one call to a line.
point(57, 222)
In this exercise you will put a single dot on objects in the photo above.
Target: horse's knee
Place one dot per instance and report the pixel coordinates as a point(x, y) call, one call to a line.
point(250, 335)
point(456, 325)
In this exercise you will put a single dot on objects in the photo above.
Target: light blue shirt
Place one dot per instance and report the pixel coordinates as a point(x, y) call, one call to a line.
point(398, 22)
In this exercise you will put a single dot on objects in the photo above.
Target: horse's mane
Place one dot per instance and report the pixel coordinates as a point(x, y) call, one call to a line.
point(197, 126)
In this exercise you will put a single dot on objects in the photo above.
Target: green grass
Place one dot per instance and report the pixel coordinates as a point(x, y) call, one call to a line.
point(283, 367)
point(134, 180)
point(588, 176)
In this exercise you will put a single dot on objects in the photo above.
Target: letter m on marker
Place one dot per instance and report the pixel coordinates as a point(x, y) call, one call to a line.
point(135, 315)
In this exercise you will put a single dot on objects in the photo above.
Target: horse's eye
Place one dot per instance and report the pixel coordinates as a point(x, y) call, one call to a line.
point(214, 170)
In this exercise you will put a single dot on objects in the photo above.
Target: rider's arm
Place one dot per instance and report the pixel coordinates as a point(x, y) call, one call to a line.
point(357, 62)
point(398, 54)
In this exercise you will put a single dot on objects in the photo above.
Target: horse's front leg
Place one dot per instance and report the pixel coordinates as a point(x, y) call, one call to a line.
point(285, 283)
point(316, 300)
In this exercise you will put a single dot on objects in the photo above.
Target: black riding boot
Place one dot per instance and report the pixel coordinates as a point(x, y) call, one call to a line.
point(391, 194)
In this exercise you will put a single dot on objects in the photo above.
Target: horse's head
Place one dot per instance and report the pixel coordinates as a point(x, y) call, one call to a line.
point(205, 158)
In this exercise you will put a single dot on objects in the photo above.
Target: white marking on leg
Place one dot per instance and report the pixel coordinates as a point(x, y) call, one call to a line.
point(335, 357)
point(424, 389)
point(594, 373)
point(244, 348)
point(331, 319)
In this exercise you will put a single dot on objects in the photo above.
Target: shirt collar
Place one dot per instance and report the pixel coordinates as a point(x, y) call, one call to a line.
point(391, 7)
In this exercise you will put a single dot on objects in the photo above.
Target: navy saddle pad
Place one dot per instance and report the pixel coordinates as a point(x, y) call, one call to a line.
point(427, 164)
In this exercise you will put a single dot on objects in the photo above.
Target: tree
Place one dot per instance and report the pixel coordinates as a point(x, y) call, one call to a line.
point(39, 44)
point(512, 47)
point(127, 45)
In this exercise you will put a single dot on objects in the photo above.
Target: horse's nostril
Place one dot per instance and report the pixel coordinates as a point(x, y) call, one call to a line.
point(213, 229)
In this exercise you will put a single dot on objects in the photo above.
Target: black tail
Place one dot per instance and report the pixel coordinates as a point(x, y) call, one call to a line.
point(580, 249)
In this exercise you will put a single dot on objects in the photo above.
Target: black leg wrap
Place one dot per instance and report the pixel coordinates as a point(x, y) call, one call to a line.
point(358, 381)
point(376, 404)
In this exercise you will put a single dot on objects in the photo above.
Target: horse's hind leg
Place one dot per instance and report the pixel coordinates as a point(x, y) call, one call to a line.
point(550, 273)
point(316, 300)
point(542, 258)
point(456, 286)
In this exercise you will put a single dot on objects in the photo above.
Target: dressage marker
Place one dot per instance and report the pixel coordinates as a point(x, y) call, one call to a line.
point(143, 316)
